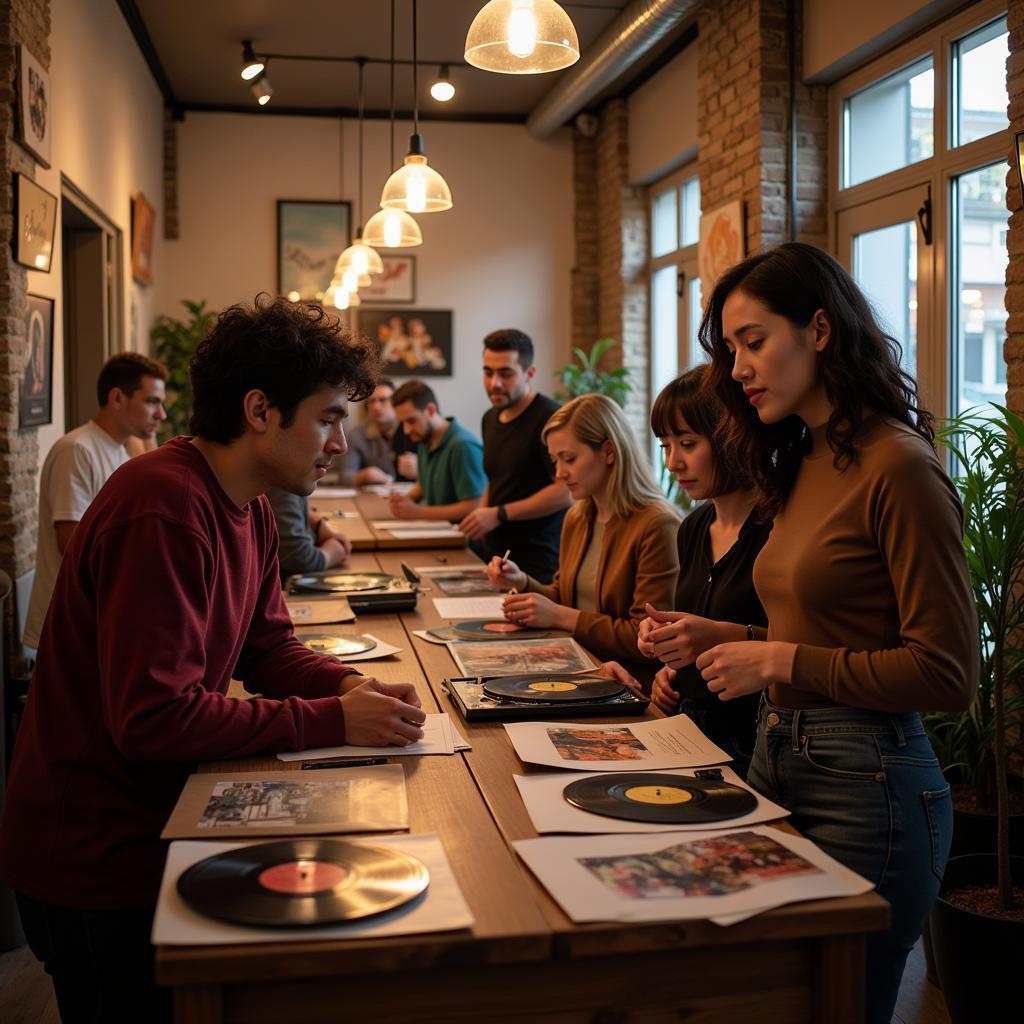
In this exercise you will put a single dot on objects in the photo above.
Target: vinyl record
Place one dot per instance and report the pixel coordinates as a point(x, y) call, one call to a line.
point(499, 629)
point(335, 644)
point(332, 582)
point(302, 882)
point(664, 799)
point(553, 688)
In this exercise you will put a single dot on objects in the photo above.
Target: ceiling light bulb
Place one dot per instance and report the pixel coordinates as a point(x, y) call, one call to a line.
point(522, 37)
point(262, 89)
point(392, 229)
point(340, 297)
point(349, 280)
point(415, 186)
point(416, 190)
point(522, 28)
point(442, 90)
point(251, 64)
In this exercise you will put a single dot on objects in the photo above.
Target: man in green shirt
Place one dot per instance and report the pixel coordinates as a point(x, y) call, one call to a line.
point(450, 458)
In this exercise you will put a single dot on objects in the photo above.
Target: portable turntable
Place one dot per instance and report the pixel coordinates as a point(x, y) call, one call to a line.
point(542, 695)
point(365, 591)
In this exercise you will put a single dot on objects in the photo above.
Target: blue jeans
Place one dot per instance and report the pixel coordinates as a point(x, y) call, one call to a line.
point(867, 788)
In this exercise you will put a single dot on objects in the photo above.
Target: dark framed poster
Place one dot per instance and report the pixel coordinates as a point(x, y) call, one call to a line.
point(413, 342)
point(35, 402)
point(311, 235)
point(35, 219)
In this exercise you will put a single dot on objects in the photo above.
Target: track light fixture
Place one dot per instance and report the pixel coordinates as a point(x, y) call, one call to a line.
point(442, 90)
point(251, 64)
point(262, 89)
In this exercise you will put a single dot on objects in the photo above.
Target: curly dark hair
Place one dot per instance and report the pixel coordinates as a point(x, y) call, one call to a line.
point(287, 350)
point(860, 366)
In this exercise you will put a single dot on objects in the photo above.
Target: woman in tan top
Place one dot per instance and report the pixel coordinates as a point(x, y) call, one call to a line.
point(618, 548)
point(864, 580)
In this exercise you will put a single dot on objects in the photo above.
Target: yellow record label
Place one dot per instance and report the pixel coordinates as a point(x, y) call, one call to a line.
point(553, 685)
point(658, 795)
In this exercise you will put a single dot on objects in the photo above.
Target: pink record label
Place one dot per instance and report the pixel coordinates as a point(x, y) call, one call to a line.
point(302, 877)
point(501, 627)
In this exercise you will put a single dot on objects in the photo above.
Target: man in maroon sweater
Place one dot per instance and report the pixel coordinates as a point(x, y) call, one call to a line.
point(168, 589)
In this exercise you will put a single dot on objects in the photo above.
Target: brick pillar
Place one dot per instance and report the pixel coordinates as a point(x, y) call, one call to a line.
point(1014, 350)
point(585, 269)
point(28, 22)
point(743, 122)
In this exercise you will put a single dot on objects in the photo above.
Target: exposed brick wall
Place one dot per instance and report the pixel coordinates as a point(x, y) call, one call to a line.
point(28, 22)
point(1014, 350)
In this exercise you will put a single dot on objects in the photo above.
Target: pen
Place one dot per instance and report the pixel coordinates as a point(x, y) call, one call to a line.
point(345, 762)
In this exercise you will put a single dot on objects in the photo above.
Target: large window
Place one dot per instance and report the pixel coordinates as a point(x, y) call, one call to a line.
point(918, 199)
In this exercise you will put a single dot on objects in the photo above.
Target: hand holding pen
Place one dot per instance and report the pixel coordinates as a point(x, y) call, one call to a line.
point(505, 575)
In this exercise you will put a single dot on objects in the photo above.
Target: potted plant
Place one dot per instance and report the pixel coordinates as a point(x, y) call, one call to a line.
point(174, 342)
point(588, 378)
point(977, 926)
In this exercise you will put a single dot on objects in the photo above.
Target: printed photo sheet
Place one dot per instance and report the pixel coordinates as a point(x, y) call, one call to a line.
point(674, 742)
point(212, 805)
point(442, 907)
point(519, 657)
point(438, 738)
point(684, 875)
point(551, 812)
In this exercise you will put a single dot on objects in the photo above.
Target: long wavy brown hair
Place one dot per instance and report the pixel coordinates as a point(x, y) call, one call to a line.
point(860, 366)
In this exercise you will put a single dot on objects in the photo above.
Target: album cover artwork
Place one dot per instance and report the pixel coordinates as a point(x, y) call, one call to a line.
point(718, 866)
point(465, 581)
point(597, 744)
point(253, 804)
point(520, 657)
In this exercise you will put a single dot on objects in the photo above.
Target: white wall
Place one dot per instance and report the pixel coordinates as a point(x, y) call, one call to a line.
point(107, 116)
point(663, 120)
point(500, 258)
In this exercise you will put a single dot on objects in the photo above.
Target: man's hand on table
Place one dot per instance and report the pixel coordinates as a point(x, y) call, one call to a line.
point(479, 522)
point(403, 507)
point(380, 714)
point(372, 475)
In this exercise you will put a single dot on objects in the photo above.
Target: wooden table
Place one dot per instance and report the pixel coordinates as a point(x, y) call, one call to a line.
point(523, 957)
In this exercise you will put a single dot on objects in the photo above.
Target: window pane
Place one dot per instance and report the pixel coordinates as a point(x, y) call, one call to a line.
point(890, 124)
point(979, 75)
point(885, 266)
point(694, 314)
point(690, 227)
point(979, 271)
point(663, 223)
point(664, 328)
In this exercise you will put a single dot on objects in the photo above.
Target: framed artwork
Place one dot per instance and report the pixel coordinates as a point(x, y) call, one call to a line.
point(722, 242)
point(35, 403)
point(414, 343)
point(310, 237)
point(397, 283)
point(143, 226)
point(35, 215)
point(34, 106)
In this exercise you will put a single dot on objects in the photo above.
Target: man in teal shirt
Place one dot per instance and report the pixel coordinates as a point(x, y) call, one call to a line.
point(450, 459)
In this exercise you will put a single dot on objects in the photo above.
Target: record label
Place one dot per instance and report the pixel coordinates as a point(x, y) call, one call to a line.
point(664, 799)
point(554, 685)
point(302, 877)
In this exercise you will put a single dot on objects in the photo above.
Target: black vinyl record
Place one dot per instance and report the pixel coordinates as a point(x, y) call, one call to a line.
point(499, 629)
point(332, 582)
point(553, 688)
point(337, 644)
point(664, 799)
point(302, 882)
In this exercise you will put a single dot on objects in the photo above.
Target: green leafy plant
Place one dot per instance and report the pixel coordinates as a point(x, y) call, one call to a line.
point(174, 341)
point(978, 742)
point(587, 378)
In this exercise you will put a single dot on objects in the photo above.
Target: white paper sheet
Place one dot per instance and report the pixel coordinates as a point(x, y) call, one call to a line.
point(551, 812)
point(442, 908)
point(684, 875)
point(446, 570)
point(459, 608)
point(383, 490)
point(411, 524)
point(327, 491)
point(424, 635)
point(674, 742)
point(437, 739)
point(436, 534)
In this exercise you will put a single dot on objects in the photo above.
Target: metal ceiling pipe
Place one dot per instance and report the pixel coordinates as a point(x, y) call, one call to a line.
point(639, 27)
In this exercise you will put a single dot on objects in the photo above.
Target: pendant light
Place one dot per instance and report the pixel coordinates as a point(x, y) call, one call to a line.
point(360, 258)
point(522, 37)
point(416, 187)
point(392, 229)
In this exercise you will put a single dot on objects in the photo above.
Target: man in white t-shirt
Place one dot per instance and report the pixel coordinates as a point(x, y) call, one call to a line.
point(130, 389)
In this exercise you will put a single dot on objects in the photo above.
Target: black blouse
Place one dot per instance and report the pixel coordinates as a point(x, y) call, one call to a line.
point(722, 591)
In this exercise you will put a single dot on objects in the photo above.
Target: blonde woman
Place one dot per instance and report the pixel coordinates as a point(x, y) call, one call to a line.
point(618, 550)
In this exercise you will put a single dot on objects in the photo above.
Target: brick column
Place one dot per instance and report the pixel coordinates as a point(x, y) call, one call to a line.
point(1014, 350)
point(28, 22)
point(585, 287)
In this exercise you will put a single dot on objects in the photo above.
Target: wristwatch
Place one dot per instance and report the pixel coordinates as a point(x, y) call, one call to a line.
point(502, 514)
point(750, 632)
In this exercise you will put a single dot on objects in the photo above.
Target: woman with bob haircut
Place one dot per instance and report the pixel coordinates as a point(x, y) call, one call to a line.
point(715, 600)
point(864, 580)
point(618, 546)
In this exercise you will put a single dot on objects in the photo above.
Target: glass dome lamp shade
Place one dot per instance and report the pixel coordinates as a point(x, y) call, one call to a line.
point(416, 187)
point(392, 229)
point(361, 258)
point(522, 37)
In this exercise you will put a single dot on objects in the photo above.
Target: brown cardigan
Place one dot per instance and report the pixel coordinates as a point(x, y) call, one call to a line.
point(639, 563)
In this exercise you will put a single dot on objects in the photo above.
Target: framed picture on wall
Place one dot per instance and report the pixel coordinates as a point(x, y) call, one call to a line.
point(397, 282)
point(34, 117)
point(311, 235)
point(414, 342)
point(35, 217)
point(143, 226)
point(35, 401)
point(722, 242)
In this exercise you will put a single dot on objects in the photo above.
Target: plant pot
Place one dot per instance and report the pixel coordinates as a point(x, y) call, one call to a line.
point(975, 832)
point(978, 958)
